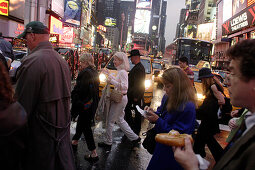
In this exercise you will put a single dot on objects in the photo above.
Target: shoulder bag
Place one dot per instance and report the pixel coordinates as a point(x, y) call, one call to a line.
point(116, 95)
point(149, 142)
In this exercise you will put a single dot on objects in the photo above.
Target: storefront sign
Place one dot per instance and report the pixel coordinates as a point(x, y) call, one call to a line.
point(239, 21)
point(56, 26)
point(4, 8)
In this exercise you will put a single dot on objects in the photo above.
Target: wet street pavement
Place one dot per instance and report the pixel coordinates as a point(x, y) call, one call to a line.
point(123, 156)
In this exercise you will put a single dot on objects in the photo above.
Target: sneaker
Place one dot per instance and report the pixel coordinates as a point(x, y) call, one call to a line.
point(91, 159)
point(136, 142)
point(104, 145)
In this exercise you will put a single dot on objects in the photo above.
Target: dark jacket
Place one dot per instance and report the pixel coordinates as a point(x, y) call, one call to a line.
point(13, 136)
point(85, 90)
point(6, 48)
point(44, 90)
point(136, 78)
point(240, 155)
point(182, 121)
point(3, 60)
point(207, 112)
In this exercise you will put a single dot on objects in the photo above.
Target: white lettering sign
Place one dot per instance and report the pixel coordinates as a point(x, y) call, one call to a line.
point(239, 22)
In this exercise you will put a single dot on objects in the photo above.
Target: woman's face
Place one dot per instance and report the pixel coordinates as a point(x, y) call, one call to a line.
point(116, 61)
point(168, 87)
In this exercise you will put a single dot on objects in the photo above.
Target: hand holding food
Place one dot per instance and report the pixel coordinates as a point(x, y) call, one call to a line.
point(173, 138)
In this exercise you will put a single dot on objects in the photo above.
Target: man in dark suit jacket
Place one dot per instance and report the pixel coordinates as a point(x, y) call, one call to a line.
point(242, 94)
point(136, 88)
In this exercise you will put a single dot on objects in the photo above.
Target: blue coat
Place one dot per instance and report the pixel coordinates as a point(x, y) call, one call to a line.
point(182, 121)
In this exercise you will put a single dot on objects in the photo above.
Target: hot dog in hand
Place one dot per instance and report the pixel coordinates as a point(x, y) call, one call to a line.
point(173, 138)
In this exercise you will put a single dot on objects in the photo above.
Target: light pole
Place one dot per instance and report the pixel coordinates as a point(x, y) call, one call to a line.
point(121, 32)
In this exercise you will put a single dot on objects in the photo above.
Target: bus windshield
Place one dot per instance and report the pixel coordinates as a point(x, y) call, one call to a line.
point(194, 50)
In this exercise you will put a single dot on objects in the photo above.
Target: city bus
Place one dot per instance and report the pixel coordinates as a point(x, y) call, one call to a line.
point(194, 50)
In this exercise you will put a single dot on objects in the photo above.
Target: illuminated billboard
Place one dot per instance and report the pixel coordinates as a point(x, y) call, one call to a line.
point(238, 5)
point(142, 21)
point(72, 11)
point(227, 10)
point(110, 22)
point(144, 4)
point(56, 26)
point(204, 31)
point(4, 8)
point(58, 7)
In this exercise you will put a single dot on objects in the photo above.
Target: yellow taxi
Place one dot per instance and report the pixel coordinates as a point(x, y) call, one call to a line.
point(148, 94)
point(157, 70)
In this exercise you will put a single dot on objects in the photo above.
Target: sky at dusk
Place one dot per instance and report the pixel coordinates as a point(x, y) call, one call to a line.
point(173, 14)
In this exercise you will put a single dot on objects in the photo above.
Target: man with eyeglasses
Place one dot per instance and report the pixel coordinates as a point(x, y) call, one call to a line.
point(43, 89)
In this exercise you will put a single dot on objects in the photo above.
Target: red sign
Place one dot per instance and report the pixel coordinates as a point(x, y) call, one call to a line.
point(68, 35)
point(4, 7)
point(19, 29)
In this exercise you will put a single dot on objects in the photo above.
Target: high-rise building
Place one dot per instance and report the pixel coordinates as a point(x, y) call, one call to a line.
point(108, 16)
point(126, 20)
point(162, 40)
point(207, 11)
point(180, 28)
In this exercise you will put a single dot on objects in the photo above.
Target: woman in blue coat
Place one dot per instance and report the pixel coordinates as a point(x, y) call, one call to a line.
point(177, 112)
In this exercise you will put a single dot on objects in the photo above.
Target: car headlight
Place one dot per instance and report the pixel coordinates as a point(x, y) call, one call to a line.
point(147, 84)
point(102, 77)
point(200, 96)
point(160, 74)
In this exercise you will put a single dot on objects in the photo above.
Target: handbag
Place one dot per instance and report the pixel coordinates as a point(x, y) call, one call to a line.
point(149, 142)
point(116, 95)
point(227, 107)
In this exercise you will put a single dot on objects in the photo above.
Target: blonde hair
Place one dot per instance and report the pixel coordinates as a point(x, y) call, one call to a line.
point(183, 90)
point(123, 57)
point(88, 58)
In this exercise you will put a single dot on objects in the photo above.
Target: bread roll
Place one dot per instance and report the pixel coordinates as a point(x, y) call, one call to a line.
point(173, 138)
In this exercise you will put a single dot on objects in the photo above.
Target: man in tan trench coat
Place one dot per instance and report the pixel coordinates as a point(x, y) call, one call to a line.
point(43, 89)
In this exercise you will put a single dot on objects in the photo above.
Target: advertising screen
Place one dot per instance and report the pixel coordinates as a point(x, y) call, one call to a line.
point(142, 21)
point(144, 4)
point(227, 10)
point(238, 5)
point(58, 7)
point(204, 31)
point(110, 22)
point(72, 11)
point(56, 26)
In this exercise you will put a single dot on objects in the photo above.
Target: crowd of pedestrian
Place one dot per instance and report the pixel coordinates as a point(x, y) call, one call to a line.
point(35, 118)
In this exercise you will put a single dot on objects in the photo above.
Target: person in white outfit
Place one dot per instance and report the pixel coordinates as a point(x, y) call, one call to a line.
point(116, 113)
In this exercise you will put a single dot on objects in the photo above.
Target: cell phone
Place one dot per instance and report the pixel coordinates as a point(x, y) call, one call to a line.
point(143, 112)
